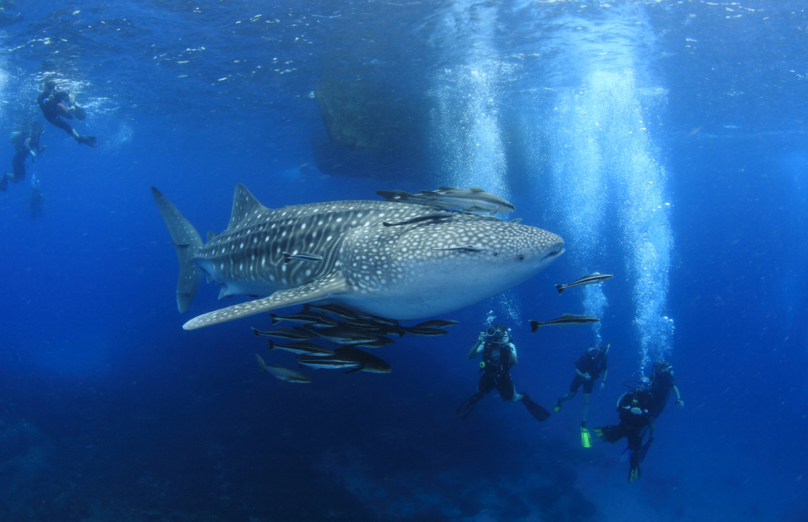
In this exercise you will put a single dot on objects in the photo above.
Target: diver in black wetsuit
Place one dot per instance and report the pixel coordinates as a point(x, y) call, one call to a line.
point(56, 105)
point(634, 408)
point(662, 382)
point(588, 368)
point(499, 355)
point(26, 142)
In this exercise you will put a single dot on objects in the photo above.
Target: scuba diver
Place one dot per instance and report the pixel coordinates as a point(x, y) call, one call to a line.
point(634, 408)
point(26, 142)
point(499, 355)
point(56, 105)
point(36, 201)
point(662, 382)
point(587, 370)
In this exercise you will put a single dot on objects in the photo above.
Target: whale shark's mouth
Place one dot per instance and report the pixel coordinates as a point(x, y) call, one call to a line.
point(557, 252)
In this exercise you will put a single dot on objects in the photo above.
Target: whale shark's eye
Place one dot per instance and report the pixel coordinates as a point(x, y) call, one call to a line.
point(521, 257)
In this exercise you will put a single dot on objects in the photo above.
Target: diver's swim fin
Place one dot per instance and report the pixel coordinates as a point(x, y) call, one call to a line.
point(633, 474)
point(586, 438)
point(625, 455)
point(537, 411)
point(466, 408)
point(87, 140)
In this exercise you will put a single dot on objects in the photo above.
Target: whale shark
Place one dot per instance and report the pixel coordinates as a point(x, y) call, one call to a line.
point(394, 260)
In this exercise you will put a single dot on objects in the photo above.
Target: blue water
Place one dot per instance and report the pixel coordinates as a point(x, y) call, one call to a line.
point(666, 142)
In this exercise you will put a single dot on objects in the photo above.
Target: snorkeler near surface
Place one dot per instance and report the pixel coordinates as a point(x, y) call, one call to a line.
point(56, 104)
point(26, 142)
point(499, 355)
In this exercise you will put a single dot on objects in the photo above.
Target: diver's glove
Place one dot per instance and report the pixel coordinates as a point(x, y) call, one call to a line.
point(602, 385)
point(680, 403)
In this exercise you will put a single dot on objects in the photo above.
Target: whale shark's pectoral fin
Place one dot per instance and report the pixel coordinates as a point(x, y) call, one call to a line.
point(322, 288)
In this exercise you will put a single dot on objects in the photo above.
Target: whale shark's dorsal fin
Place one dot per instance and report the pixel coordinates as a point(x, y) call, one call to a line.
point(244, 205)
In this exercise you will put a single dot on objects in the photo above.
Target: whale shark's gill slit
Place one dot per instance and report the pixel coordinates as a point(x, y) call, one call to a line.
point(462, 248)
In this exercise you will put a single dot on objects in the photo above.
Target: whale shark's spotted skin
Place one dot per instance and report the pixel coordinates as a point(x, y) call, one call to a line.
point(394, 260)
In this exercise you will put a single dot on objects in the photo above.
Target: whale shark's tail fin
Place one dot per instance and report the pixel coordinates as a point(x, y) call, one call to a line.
point(187, 241)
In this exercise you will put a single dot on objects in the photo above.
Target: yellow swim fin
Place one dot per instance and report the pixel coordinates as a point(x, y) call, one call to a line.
point(633, 474)
point(586, 438)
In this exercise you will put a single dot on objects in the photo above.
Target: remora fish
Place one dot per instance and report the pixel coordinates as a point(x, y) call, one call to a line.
point(585, 280)
point(393, 272)
point(344, 335)
point(417, 331)
point(473, 199)
point(402, 196)
point(334, 309)
point(303, 317)
point(281, 373)
point(381, 342)
point(564, 320)
point(348, 357)
point(436, 323)
point(302, 348)
point(298, 334)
